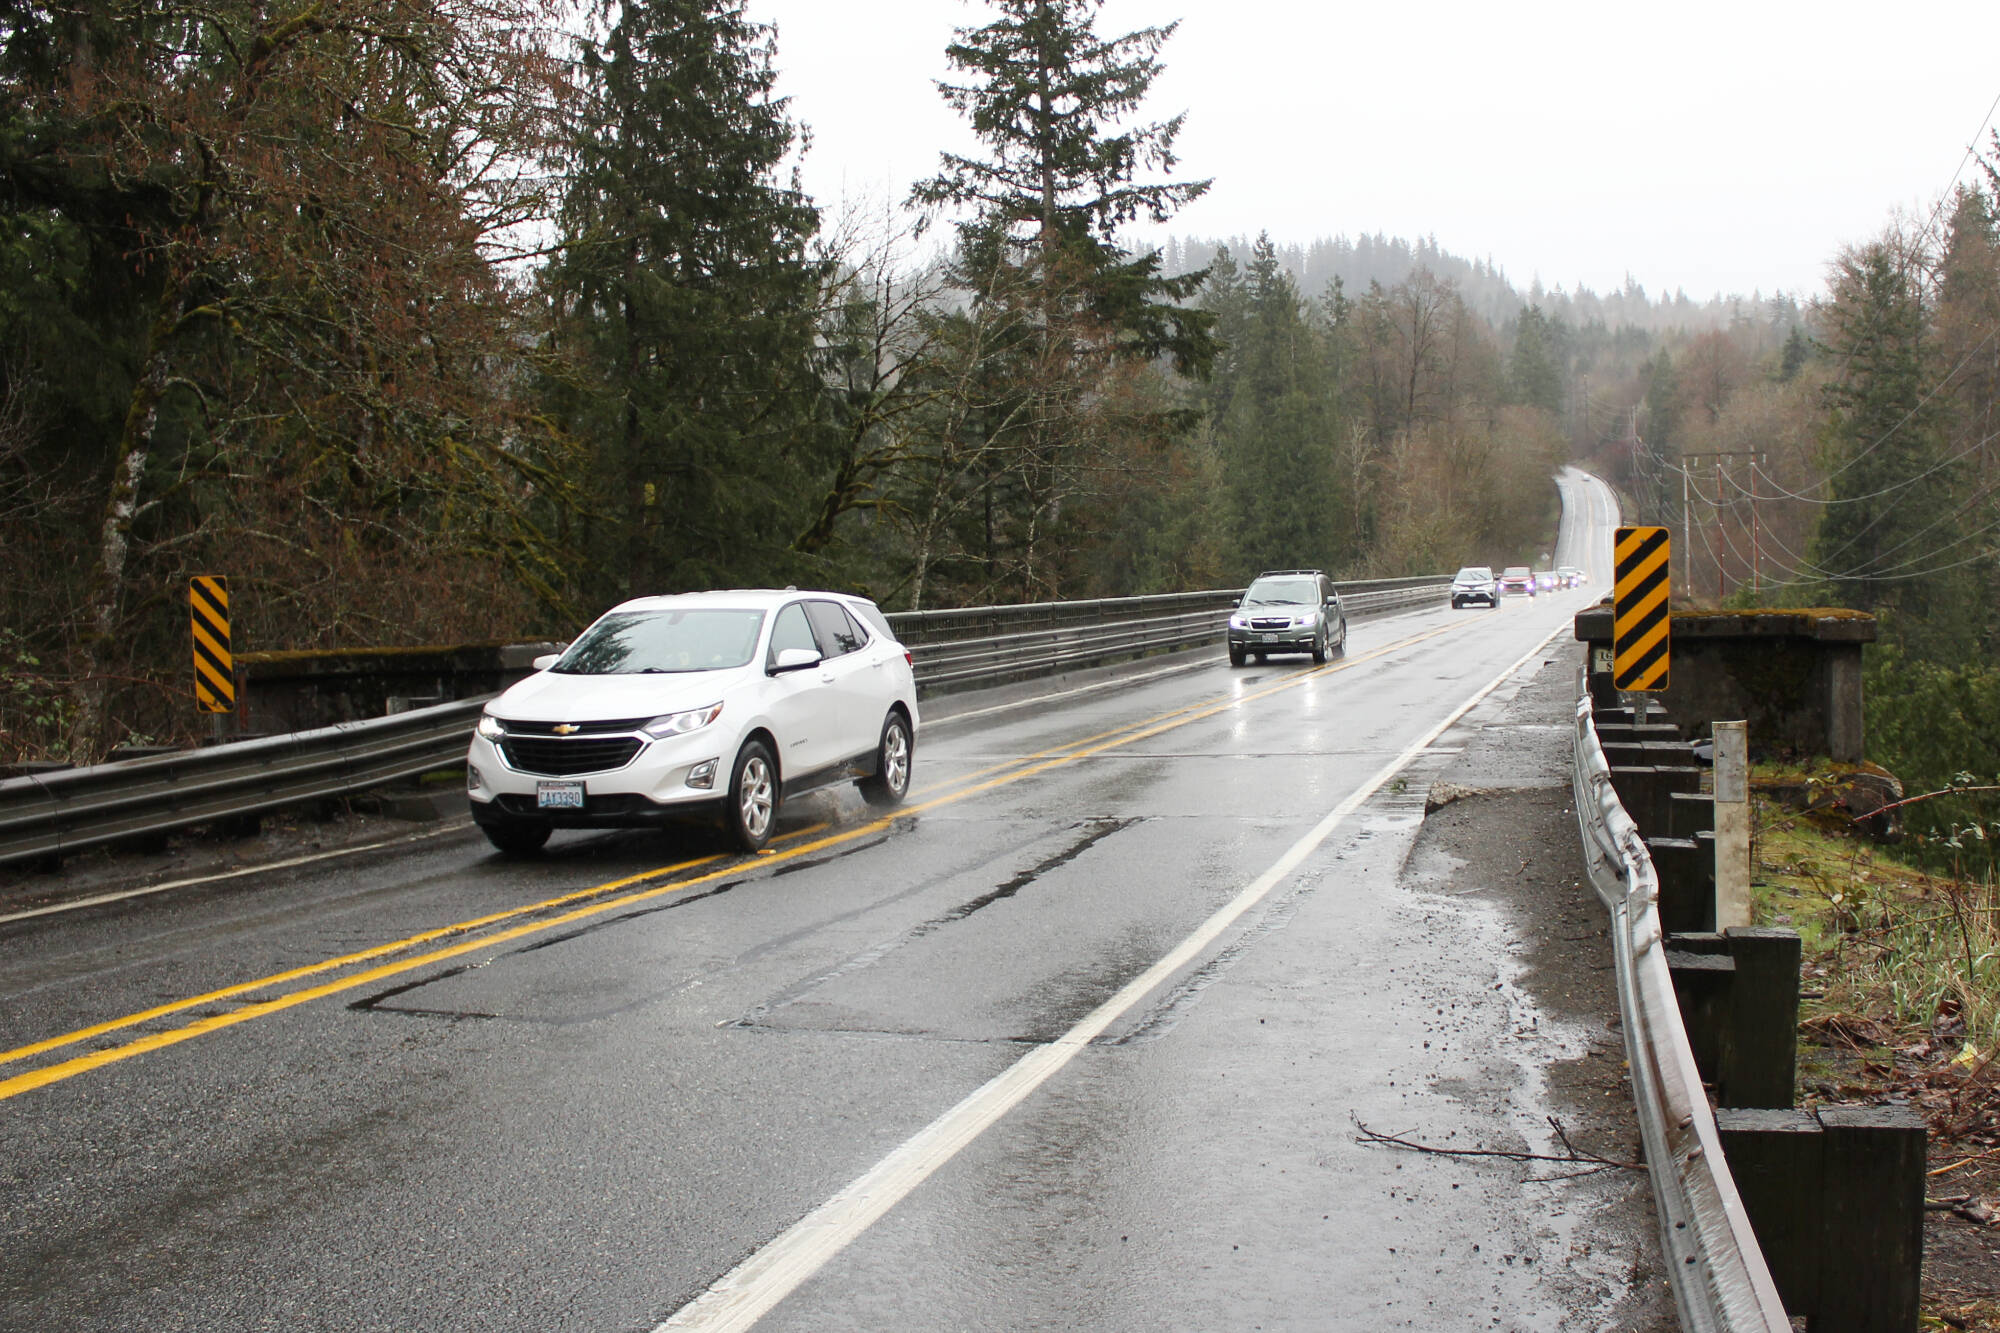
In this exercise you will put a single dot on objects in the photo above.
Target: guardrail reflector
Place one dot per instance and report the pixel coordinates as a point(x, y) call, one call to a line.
point(214, 668)
point(1639, 638)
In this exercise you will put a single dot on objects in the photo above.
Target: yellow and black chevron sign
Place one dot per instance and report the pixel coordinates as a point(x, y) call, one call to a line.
point(1639, 646)
point(214, 669)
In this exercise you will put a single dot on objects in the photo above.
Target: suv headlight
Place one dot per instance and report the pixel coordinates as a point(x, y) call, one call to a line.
point(1239, 622)
point(1307, 619)
point(491, 727)
point(680, 724)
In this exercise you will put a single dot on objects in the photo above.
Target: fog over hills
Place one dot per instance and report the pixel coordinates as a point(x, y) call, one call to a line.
point(1485, 285)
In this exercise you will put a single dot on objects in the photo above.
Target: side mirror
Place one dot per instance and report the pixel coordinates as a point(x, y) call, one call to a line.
point(1235, 601)
point(794, 659)
point(545, 661)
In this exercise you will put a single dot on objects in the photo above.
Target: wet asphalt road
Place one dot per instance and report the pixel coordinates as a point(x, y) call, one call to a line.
point(583, 1123)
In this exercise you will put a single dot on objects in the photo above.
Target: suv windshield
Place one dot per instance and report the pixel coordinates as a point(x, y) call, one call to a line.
point(632, 642)
point(1472, 573)
point(1283, 592)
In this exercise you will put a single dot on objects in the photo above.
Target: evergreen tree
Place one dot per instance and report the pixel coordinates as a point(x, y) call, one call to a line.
point(1276, 436)
point(684, 298)
point(1792, 358)
point(1068, 307)
point(1535, 377)
point(1885, 541)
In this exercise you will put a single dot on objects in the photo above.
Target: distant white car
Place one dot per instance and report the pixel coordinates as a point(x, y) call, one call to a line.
point(710, 705)
point(1475, 583)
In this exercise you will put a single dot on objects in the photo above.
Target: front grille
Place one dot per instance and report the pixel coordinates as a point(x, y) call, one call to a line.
point(617, 726)
point(1270, 622)
point(555, 757)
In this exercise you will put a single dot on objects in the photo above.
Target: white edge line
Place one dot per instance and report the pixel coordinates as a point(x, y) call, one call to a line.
point(747, 1292)
point(76, 904)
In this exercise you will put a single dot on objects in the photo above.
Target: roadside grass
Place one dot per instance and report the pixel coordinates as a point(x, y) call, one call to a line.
point(1900, 998)
point(1896, 957)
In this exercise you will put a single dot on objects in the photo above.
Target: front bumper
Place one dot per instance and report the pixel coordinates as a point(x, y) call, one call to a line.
point(666, 781)
point(1467, 596)
point(615, 810)
point(1274, 641)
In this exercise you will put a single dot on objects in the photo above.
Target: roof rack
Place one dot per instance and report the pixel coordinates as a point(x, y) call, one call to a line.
point(1269, 572)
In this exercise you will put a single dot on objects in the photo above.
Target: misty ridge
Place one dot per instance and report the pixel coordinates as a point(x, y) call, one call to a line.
point(1483, 284)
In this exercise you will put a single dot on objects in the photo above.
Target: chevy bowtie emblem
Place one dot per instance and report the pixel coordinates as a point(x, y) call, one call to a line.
point(566, 729)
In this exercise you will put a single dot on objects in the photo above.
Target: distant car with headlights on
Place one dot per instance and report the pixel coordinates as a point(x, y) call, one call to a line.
point(1571, 576)
point(714, 706)
point(1287, 611)
point(1475, 586)
point(1517, 581)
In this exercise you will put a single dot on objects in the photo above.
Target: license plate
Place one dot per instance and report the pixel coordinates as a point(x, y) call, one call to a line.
point(559, 795)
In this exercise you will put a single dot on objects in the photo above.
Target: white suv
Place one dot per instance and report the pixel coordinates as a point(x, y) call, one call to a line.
point(714, 705)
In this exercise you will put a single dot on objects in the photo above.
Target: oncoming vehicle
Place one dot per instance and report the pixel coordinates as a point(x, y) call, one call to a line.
point(1516, 580)
point(1571, 576)
point(1287, 611)
point(1546, 580)
point(1475, 583)
point(710, 705)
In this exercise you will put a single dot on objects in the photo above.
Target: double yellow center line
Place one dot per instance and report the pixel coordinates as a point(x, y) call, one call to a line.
point(253, 999)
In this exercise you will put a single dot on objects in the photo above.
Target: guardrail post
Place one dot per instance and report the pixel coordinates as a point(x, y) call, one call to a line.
point(1690, 813)
point(1761, 1046)
point(1645, 791)
point(1836, 1198)
point(1872, 1271)
point(1702, 983)
point(1775, 1160)
point(1756, 1048)
point(1686, 869)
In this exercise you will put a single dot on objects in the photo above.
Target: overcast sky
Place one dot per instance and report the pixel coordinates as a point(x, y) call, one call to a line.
point(1712, 147)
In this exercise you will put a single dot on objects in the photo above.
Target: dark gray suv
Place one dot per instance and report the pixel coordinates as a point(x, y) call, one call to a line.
point(1287, 611)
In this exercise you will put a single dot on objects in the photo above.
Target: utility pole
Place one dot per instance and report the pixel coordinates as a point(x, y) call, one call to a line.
point(1722, 457)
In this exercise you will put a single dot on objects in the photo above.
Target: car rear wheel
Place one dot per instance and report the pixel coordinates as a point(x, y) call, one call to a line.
point(753, 797)
point(891, 778)
point(517, 837)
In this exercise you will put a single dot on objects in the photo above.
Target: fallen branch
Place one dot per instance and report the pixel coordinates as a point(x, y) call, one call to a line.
point(1571, 1153)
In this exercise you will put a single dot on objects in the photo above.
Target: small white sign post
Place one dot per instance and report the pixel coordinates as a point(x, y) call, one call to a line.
point(1732, 825)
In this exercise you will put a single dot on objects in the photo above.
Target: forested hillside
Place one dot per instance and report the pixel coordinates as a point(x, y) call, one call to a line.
point(430, 320)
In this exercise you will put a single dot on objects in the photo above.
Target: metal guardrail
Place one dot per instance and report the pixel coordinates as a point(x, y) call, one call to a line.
point(986, 645)
point(50, 814)
point(1720, 1280)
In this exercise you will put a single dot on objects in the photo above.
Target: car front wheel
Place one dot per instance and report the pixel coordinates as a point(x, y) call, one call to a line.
point(516, 837)
point(753, 797)
point(891, 778)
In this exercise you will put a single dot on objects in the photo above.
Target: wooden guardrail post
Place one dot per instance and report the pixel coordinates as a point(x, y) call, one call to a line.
point(1836, 1198)
point(1742, 1020)
point(1686, 868)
